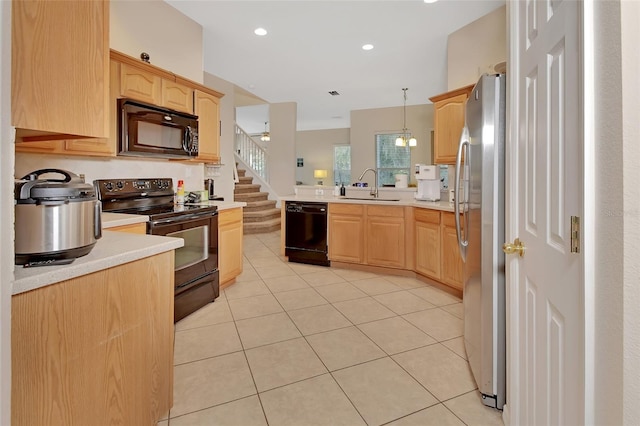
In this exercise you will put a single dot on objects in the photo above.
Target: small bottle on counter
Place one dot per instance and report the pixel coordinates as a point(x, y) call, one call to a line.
point(343, 190)
point(180, 192)
point(336, 190)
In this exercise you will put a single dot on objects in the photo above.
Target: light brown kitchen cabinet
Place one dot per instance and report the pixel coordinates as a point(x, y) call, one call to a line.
point(427, 242)
point(346, 232)
point(97, 349)
point(145, 83)
point(60, 69)
point(89, 147)
point(230, 235)
point(207, 108)
point(448, 119)
point(451, 261)
point(385, 236)
point(134, 228)
point(139, 84)
point(177, 97)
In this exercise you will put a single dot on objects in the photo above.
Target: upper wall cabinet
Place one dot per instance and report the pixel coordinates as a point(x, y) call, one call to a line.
point(207, 108)
point(448, 118)
point(60, 69)
point(147, 83)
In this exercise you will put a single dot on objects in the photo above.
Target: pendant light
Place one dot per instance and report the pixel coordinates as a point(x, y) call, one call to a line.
point(265, 135)
point(405, 137)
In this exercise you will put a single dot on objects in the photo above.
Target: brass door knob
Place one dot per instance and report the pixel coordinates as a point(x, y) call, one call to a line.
point(516, 247)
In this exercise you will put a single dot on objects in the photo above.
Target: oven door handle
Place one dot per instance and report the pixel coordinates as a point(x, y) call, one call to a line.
point(183, 218)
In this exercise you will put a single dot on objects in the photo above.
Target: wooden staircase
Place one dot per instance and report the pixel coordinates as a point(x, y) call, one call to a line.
point(260, 214)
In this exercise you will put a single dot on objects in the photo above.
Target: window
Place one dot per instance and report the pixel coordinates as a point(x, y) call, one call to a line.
point(391, 159)
point(342, 164)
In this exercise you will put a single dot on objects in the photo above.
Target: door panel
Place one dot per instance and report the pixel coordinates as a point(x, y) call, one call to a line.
point(545, 292)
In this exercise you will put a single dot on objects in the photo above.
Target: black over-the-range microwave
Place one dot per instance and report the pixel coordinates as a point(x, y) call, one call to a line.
point(150, 131)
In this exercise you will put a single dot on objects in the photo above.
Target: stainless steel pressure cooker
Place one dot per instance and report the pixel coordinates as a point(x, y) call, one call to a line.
point(57, 220)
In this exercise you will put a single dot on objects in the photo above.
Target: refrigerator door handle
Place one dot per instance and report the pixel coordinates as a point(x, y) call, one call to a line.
point(462, 147)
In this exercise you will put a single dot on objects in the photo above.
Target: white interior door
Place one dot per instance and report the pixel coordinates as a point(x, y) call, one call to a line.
point(544, 184)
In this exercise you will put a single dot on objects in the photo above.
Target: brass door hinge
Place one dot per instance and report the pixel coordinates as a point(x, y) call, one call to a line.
point(575, 234)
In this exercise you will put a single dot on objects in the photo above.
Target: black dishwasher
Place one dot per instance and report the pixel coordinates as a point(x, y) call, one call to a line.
point(306, 232)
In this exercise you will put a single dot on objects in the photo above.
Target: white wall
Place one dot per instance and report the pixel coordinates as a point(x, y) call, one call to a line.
point(475, 48)
point(630, 16)
point(173, 41)
point(6, 213)
point(315, 147)
point(224, 183)
point(282, 147)
point(609, 291)
point(365, 123)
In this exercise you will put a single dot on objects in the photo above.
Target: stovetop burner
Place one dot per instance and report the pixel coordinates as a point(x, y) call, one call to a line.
point(152, 197)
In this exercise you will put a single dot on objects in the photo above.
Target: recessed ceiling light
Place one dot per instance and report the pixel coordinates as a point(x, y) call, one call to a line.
point(430, 1)
point(260, 31)
point(367, 47)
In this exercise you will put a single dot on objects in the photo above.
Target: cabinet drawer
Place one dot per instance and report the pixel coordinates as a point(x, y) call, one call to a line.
point(428, 216)
point(349, 209)
point(229, 216)
point(390, 211)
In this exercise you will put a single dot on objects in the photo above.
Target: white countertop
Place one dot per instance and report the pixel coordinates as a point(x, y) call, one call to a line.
point(222, 205)
point(111, 220)
point(433, 205)
point(113, 249)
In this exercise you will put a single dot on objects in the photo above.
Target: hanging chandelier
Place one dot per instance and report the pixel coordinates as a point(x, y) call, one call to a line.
point(265, 135)
point(405, 136)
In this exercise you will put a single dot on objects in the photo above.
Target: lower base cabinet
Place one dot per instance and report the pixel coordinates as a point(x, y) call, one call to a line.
point(346, 233)
point(451, 272)
point(230, 235)
point(428, 242)
point(385, 236)
point(97, 349)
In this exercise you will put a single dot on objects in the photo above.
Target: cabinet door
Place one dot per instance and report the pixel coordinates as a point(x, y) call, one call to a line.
point(207, 108)
point(385, 241)
point(96, 147)
point(448, 123)
point(90, 147)
point(451, 266)
point(346, 238)
point(141, 85)
point(177, 96)
point(60, 68)
point(428, 249)
point(230, 244)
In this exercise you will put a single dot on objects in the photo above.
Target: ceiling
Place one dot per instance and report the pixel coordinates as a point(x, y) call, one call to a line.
point(314, 47)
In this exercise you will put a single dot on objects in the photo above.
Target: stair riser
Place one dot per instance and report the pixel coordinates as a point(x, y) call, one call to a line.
point(260, 219)
point(254, 196)
point(250, 208)
point(247, 190)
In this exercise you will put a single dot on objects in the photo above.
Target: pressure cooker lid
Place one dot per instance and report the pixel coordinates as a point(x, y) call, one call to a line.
point(31, 189)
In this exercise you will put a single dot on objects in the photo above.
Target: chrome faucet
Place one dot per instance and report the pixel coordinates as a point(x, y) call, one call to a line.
point(374, 190)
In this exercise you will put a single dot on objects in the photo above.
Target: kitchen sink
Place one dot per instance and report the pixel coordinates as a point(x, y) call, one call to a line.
point(370, 199)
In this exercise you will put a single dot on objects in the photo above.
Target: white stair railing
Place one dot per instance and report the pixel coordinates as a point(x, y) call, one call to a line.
point(252, 152)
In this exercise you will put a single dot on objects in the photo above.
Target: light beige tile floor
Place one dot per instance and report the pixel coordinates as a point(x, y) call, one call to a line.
point(294, 344)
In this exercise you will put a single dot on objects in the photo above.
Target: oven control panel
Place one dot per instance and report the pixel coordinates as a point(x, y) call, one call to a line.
point(133, 187)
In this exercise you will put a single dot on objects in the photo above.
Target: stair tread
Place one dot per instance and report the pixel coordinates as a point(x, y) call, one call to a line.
point(241, 196)
point(262, 224)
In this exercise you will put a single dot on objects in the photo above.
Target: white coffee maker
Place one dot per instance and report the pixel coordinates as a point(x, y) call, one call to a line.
point(428, 178)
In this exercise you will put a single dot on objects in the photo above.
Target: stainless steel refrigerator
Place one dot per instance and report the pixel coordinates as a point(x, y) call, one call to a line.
point(480, 228)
